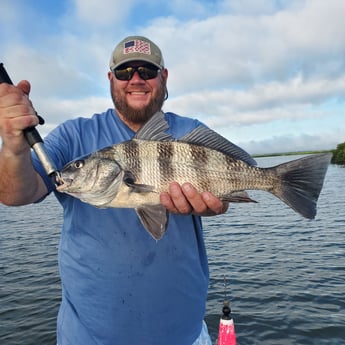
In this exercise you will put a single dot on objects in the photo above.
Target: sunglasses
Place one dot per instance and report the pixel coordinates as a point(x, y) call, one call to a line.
point(145, 72)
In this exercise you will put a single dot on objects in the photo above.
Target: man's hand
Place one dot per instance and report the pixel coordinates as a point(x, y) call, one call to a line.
point(16, 114)
point(20, 184)
point(186, 200)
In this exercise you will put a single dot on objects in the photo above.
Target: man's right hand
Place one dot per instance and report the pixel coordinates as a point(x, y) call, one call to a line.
point(16, 114)
point(19, 182)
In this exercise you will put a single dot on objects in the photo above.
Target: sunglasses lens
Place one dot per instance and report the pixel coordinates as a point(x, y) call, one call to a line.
point(145, 72)
point(124, 73)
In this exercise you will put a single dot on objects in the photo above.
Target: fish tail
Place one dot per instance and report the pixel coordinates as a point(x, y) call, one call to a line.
point(301, 183)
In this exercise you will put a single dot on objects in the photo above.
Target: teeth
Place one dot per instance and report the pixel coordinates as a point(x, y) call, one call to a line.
point(137, 93)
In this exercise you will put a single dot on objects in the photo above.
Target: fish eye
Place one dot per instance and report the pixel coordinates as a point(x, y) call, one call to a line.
point(79, 164)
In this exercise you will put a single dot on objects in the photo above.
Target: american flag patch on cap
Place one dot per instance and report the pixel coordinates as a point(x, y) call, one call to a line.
point(137, 46)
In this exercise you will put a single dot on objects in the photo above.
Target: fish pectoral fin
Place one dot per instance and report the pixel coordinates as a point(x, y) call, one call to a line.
point(141, 188)
point(154, 219)
point(240, 196)
point(129, 180)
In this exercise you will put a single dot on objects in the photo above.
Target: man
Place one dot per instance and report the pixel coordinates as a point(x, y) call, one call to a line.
point(119, 286)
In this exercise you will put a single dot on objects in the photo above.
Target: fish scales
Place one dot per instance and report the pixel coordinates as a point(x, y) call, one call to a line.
point(130, 152)
point(132, 174)
point(165, 151)
point(160, 163)
point(201, 155)
point(156, 163)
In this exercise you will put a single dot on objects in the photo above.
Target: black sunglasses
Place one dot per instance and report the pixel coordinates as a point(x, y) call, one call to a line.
point(145, 72)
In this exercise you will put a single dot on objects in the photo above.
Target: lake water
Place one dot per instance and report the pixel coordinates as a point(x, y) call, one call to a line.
point(285, 276)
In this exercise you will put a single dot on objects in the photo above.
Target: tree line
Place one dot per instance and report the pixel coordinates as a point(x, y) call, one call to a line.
point(339, 154)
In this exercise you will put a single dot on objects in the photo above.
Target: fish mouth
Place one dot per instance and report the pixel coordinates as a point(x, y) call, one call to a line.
point(63, 184)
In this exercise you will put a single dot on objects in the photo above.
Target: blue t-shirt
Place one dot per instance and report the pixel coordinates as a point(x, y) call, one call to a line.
point(119, 285)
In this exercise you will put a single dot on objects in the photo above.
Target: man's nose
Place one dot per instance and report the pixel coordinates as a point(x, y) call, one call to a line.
point(136, 77)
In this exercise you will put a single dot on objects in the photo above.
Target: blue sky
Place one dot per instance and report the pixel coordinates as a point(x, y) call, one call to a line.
point(268, 75)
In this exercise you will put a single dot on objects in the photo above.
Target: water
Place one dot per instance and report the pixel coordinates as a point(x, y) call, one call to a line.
point(29, 280)
point(285, 275)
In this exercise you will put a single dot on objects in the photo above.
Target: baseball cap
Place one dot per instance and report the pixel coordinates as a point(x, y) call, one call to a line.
point(136, 48)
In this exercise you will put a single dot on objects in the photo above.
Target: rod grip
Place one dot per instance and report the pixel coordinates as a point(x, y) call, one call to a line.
point(31, 134)
point(4, 77)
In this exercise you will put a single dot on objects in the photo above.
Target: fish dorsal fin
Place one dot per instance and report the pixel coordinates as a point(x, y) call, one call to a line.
point(204, 136)
point(155, 129)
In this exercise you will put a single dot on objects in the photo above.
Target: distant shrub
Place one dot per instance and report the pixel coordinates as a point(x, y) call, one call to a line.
point(339, 154)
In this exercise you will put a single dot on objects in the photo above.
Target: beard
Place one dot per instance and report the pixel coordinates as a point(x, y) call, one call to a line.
point(139, 116)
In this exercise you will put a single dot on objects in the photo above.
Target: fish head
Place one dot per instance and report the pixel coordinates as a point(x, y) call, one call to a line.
point(93, 179)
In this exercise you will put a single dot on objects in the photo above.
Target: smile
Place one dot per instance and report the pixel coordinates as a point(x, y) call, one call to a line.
point(138, 93)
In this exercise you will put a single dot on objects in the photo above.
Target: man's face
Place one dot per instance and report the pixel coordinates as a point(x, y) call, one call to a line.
point(136, 100)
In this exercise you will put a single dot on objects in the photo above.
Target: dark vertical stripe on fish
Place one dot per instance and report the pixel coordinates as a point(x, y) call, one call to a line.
point(201, 155)
point(132, 154)
point(165, 151)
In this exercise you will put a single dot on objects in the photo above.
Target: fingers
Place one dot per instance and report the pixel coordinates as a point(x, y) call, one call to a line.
point(194, 199)
point(25, 86)
point(16, 114)
point(14, 104)
point(175, 201)
point(185, 199)
point(214, 205)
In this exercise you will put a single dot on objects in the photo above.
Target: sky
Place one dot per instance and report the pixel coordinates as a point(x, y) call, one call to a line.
point(269, 75)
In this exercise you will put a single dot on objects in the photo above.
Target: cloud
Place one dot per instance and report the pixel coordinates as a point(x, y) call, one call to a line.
point(8, 13)
point(253, 8)
point(265, 102)
point(194, 9)
point(228, 50)
point(261, 70)
point(105, 13)
point(293, 143)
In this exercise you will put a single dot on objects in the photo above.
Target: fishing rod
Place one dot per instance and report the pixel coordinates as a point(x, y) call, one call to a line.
point(33, 137)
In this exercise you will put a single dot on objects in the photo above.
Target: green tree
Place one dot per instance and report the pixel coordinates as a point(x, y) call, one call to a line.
point(339, 154)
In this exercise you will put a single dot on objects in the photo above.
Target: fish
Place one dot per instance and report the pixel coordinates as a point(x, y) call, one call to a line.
point(133, 173)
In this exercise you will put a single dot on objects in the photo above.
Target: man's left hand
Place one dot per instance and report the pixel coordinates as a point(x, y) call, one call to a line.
point(185, 199)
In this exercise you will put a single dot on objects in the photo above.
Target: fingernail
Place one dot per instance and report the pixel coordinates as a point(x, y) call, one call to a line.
point(173, 187)
point(206, 196)
point(187, 187)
